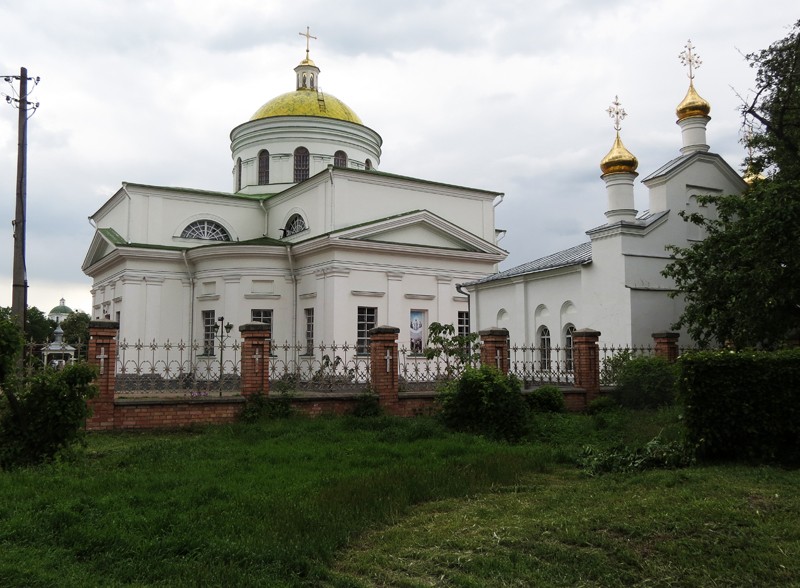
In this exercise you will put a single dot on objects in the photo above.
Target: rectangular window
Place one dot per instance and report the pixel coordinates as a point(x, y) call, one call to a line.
point(209, 324)
point(367, 319)
point(309, 331)
point(463, 323)
point(264, 315)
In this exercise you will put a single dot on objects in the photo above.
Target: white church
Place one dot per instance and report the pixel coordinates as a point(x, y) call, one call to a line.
point(612, 283)
point(313, 239)
point(318, 243)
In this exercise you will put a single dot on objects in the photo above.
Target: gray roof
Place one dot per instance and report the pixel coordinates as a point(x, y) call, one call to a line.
point(670, 165)
point(578, 255)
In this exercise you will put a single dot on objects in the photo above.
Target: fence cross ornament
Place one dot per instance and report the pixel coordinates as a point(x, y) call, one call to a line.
point(102, 357)
point(388, 361)
point(497, 357)
point(257, 354)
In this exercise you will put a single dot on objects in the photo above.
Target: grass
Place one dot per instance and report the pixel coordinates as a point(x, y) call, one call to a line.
point(392, 502)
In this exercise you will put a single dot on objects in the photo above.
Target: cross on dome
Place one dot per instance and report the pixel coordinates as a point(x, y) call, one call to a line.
point(616, 112)
point(689, 58)
point(308, 37)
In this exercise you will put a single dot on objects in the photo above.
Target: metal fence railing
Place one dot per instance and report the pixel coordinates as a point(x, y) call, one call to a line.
point(323, 368)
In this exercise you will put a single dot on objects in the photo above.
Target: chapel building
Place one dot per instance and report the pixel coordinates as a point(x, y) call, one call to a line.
point(313, 239)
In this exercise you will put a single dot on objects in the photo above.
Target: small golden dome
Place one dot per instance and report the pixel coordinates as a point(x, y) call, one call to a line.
point(619, 159)
point(692, 105)
point(307, 102)
point(308, 61)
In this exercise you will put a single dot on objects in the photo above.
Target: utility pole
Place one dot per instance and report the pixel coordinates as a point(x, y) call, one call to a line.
point(19, 292)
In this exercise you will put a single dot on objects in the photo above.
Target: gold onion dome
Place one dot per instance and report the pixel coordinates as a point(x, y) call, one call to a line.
point(692, 105)
point(619, 159)
point(307, 103)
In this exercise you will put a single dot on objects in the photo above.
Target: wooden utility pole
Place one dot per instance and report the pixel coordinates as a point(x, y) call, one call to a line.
point(19, 293)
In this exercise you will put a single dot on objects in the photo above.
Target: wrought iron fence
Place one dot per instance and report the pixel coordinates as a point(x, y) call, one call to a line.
point(536, 366)
point(56, 354)
point(418, 372)
point(613, 356)
point(323, 368)
point(178, 369)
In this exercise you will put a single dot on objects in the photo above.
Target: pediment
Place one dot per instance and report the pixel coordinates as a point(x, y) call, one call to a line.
point(104, 242)
point(421, 229)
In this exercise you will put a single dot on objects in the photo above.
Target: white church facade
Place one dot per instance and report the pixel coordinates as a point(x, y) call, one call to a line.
point(313, 239)
point(612, 283)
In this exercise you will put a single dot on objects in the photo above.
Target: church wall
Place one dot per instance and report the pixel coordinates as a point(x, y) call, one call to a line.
point(607, 298)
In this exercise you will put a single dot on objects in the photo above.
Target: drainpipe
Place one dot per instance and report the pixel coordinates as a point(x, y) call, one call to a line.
point(266, 216)
point(191, 298)
point(294, 301)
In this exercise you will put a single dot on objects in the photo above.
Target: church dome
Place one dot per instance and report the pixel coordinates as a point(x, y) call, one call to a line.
point(692, 105)
point(61, 308)
point(619, 159)
point(304, 102)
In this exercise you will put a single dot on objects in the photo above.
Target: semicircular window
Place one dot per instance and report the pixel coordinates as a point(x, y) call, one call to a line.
point(205, 229)
point(294, 225)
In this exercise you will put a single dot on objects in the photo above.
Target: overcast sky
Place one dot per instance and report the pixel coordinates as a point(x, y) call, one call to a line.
point(508, 95)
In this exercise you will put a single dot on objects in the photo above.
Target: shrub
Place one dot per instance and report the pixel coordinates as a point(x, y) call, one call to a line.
point(48, 415)
point(602, 404)
point(258, 406)
point(546, 399)
point(367, 405)
point(487, 402)
point(645, 382)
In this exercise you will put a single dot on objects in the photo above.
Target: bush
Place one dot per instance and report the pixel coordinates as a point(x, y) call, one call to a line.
point(367, 405)
point(645, 382)
point(485, 401)
point(48, 415)
point(602, 404)
point(546, 399)
point(258, 406)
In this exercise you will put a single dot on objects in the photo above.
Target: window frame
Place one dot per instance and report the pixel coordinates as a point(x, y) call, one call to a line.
point(263, 167)
point(302, 164)
point(366, 319)
point(209, 322)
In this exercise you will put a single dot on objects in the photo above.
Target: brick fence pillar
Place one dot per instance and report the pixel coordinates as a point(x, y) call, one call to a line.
point(667, 346)
point(586, 356)
point(255, 359)
point(102, 353)
point(384, 368)
point(494, 348)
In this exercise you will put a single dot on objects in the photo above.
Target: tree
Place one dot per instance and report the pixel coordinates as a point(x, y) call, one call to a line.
point(38, 328)
point(741, 283)
point(76, 327)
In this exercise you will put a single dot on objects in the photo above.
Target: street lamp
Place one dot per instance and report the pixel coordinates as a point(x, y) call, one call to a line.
point(222, 332)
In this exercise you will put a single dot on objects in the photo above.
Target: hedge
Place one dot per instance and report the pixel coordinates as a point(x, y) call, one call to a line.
point(743, 405)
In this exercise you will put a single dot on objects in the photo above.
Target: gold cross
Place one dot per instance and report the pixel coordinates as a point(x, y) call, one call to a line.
point(689, 58)
point(308, 37)
point(616, 112)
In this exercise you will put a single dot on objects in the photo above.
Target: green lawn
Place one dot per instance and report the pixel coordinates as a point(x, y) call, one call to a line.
point(362, 502)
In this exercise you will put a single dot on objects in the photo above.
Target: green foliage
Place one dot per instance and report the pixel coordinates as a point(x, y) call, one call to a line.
point(485, 401)
point(546, 399)
point(613, 363)
point(10, 346)
point(655, 454)
point(38, 328)
point(645, 382)
point(457, 351)
point(602, 404)
point(47, 416)
point(743, 405)
point(76, 327)
point(367, 405)
point(277, 405)
point(742, 283)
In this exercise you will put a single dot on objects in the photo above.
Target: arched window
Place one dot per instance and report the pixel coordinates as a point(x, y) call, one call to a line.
point(544, 349)
point(294, 225)
point(263, 167)
point(207, 230)
point(238, 174)
point(569, 332)
point(368, 164)
point(340, 159)
point(300, 164)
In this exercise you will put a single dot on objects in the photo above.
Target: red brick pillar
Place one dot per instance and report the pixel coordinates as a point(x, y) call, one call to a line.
point(667, 346)
point(494, 348)
point(586, 355)
point(255, 359)
point(103, 354)
point(384, 368)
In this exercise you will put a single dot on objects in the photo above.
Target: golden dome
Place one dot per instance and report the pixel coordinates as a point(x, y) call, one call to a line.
point(692, 105)
point(307, 103)
point(619, 159)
